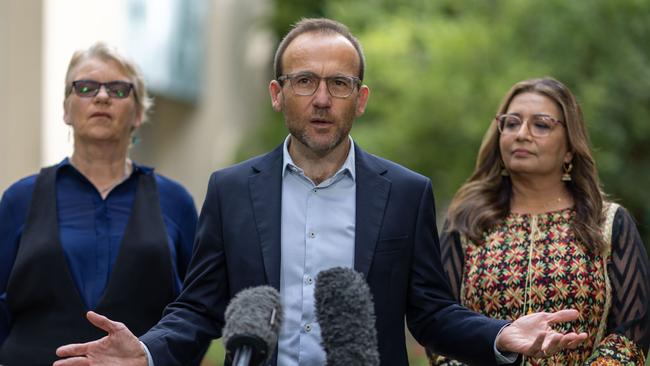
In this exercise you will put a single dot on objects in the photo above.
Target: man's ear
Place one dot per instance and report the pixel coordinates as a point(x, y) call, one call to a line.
point(275, 89)
point(362, 100)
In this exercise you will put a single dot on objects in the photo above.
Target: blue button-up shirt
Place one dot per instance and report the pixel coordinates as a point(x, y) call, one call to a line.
point(318, 223)
point(91, 228)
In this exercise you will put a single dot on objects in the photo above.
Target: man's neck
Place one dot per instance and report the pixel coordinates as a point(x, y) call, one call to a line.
point(316, 166)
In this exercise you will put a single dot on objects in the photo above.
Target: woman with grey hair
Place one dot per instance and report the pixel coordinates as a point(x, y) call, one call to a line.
point(96, 231)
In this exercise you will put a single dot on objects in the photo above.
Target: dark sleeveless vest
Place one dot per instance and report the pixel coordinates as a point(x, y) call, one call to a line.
point(46, 308)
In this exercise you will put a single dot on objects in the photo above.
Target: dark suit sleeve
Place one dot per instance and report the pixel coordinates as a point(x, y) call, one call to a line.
point(196, 316)
point(433, 316)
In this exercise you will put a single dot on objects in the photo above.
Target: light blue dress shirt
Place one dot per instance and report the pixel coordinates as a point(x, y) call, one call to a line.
point(318, 225)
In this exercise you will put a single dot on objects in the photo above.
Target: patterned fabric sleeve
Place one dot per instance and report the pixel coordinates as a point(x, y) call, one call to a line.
point(453, 258)
point(451, 253)
point(627, 325)
point(616, 350)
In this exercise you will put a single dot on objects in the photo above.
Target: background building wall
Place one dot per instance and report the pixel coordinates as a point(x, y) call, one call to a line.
point(183, 140)
point(20, 94)
point(188, 141)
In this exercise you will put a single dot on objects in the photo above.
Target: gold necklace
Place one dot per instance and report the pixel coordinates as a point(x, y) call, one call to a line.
point(555, 204)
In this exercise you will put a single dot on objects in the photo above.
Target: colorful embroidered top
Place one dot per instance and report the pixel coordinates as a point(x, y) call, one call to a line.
point(533, 263)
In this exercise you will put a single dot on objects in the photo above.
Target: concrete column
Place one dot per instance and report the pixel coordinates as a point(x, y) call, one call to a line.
point(21, 91)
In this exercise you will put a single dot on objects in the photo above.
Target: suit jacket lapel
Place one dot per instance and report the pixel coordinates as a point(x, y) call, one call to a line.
point(372, 195)
point(266, 194)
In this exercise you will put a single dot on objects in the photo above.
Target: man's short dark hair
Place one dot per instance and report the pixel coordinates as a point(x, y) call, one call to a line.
point(317, 25)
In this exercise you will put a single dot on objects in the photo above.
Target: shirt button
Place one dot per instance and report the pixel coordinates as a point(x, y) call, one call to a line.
point(312, 235)
point(315, 190)
point(309, 280)
point(307, 327)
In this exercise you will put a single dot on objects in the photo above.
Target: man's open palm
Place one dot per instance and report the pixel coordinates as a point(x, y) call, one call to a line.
point(119, 347)
point(532, 335)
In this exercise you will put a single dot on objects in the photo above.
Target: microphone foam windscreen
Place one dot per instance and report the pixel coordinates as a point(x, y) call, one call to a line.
point(346, 315)
point(255, 312)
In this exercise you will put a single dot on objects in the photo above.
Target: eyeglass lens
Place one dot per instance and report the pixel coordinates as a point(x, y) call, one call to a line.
point(538, 125)
point(90, 88)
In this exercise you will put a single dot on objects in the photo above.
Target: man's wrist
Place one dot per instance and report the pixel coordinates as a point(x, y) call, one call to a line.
point(146, 351)
point(506, 357)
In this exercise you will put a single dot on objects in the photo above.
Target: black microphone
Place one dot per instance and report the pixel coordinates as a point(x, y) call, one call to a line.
point(253, 320)
point(346, 315)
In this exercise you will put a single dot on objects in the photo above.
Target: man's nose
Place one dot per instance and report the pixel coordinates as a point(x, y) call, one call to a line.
point(322, 97)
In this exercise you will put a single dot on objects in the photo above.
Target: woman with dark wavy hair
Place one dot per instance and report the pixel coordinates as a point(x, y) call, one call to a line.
point(532, 231)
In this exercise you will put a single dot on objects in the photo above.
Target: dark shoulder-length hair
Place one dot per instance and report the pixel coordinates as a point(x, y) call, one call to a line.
point(484, 199)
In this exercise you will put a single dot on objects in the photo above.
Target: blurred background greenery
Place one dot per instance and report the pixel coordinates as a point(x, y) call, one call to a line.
point(438, 69)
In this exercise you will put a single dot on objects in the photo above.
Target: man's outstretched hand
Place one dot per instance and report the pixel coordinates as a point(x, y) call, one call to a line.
point(119, 347)
point(532, 336)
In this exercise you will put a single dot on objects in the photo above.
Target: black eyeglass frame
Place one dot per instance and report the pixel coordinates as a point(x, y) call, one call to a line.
point(107, 86)
point(355, 81)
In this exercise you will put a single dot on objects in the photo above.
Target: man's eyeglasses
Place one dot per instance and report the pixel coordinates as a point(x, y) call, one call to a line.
point(306, 84)
point(539, 125)
point(90, 88)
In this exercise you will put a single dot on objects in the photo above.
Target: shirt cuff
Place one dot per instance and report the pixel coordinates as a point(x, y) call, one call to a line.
point(502, 359)
point(150, 360)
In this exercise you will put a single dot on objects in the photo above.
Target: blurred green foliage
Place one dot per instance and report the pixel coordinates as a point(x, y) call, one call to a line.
point(437, 71)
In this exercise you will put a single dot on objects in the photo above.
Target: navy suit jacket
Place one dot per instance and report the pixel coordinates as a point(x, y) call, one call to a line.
point(396, 249)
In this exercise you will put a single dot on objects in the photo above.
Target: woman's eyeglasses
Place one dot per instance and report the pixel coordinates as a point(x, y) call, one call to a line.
point(539, 125)
point(90, 88)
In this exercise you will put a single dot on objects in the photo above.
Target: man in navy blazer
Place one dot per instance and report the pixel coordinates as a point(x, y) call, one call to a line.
point(260, 217)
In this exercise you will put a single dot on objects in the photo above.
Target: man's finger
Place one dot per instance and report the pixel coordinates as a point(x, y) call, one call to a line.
point(70, 350)
point(103, 322)
point(574, 340)
point(552, 343)
point(75, 361)
point(557, 342)
point(563, 316)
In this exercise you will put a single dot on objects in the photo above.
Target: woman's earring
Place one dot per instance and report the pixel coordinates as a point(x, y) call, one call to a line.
point(566, 177)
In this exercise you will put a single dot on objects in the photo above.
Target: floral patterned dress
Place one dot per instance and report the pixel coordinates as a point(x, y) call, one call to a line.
point(533, 263)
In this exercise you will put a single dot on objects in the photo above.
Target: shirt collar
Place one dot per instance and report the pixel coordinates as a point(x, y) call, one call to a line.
point(348, 165)
point(137, 168)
